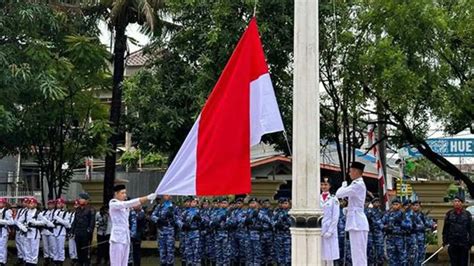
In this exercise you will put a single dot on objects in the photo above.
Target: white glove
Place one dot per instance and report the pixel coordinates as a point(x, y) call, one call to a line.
point(344, 184)
point(151, 197)
point(327, 235)
point(3, 222)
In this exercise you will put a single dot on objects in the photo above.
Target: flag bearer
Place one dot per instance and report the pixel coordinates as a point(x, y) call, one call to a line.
point(6, 220)
point(330, 206)
point(356, 222)
point(119, 216)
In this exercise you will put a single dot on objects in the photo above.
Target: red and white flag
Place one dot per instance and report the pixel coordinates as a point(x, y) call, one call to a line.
point(215, 157)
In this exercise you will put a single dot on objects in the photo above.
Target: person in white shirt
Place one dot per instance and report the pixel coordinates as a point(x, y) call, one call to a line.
point(47, 233)
point(61, 224)
point(330, 207)
point(71, 241)
point(356, 221)
point(20, 236)
point(119, 210)
point(6, 219)
point(30, 224)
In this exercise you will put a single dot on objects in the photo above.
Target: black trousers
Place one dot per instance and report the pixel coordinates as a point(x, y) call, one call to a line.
point(458, 255)
point(83, 251)
point(136, 251)
point(103, 249)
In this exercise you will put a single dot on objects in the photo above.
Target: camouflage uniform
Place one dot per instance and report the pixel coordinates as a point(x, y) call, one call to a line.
point(240, 234)
point(282, 223)
point(422, 223)
point(395, 226)
point(191, 225)
point(410, 238)
point(375, 238)
point(165, 217)
point(254, 248)
point(344, 244)
point(222, 248)
point(265, 216)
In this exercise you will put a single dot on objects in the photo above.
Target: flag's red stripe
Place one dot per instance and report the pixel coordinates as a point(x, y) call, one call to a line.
point(223, 149)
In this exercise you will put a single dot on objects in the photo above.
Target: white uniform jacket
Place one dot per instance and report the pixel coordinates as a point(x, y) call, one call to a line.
point(330, 245)
point(119, 212)
point(6, 219)
point(61, 223)
point(32, 219)
point(355, 192)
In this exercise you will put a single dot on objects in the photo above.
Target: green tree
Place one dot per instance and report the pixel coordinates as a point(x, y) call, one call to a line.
point(52, 66)
point(119, 14)
point(164, 100)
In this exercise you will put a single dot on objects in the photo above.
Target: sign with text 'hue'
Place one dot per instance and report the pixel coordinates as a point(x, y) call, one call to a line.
point(448, 147)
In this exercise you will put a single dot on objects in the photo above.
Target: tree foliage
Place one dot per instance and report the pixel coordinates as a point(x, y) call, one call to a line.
point(164, 100)
point(52, 66)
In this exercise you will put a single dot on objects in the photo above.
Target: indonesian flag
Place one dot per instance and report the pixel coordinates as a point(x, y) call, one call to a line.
point(215, 157)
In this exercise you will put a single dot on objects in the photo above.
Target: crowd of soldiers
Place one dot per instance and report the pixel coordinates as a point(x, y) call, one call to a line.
point(217, 232)
point(397, 236)
point(224, 233)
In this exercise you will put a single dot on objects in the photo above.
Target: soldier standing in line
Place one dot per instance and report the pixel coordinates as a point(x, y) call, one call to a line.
point(47, 233)
point(344, 245)
point(31, 223)
point(395, 230)
point(120, 232)
point(232, 230)
point(192, 223)
point(212, 234)
point(377, 232)
point(70, 236)
point(282, 223)
point(103, 236)
point(267, 238)
point(330, 207)
point(410, 235)
point(165, 217)
point(254, 226)
point(61, 224)
point(20, 236)
point(220, 223)
point(137, 226)
point(6, 220)
point(422, 224)
point(241, 231)
point(181, 232)
point(204, 231)
point(82, 228)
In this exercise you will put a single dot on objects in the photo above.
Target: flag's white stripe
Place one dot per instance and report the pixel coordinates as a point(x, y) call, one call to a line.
point(264, 113)
point(180, 178)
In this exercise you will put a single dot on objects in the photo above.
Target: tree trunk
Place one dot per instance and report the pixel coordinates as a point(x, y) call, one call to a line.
point(115, 110)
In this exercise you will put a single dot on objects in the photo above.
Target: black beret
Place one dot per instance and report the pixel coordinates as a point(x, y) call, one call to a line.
point(406, 202)
point(239, 200)
point(117, 188)
point(375, 200)
point(358, 165)
point(283, 199)
point(396, 200)
point(223, 199)
point(253, 199)
point(266, 201)
point(459, 197)
point(416, 202)
point(84, 195)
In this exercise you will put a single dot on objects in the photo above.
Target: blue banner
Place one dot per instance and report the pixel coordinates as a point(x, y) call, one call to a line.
point(448, 147)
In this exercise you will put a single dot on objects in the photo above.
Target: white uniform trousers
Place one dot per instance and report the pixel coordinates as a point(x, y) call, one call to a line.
point(358, 240)
point(3, 248)
point(59, 248)
point(19, 242)
point(119, 254)
point(48, 246)
point(72, 249)
point(32, 246)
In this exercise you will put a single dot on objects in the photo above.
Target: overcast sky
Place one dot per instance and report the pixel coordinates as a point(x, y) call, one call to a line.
point(133, 30)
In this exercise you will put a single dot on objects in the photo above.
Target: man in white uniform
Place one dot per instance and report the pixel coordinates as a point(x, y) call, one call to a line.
point(47, 233)
point(71, 241)
point(6, 220)
point(330, 207)
point(61, 224)
point(356, 221)
point(20, 236)
point(119, 210)
point(30, 224)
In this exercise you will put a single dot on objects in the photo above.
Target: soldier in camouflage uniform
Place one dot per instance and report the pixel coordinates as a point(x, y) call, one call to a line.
point(254, 226)
point(241, 231)
point(421, 224)
point(165, 217)
point(205, 231)
point(191, 224)
point(282, 223)
point(181, 232)
point(232, 230)
point(220, 224)
point(395, 227)
point(375, 238)
point(410, 235)
point(267, 239)
point(343, 238)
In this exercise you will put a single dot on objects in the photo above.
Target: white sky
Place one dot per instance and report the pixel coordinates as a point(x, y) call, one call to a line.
point(133, 30)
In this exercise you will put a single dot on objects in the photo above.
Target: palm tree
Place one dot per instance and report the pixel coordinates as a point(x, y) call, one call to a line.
point(119, 14)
